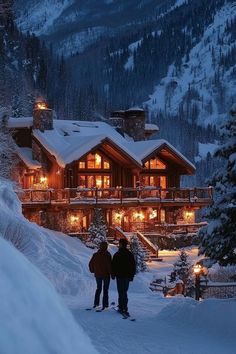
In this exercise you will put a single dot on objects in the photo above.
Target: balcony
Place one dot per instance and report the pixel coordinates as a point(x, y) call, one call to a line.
point(119, 196)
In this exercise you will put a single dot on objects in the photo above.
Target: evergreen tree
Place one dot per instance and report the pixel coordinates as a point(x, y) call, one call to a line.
point(8, 158)
point(97, 229)
point(139, 254)
point(182, 270)
point(218, 238)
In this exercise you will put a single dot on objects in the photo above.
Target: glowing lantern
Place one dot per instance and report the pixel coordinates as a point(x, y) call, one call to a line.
point(138, 216)
point(41, 105)
point(189, 216)
point(74, 219)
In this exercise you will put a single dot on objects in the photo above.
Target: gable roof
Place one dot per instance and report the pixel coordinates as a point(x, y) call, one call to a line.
point(145, 149)
point(71, 140)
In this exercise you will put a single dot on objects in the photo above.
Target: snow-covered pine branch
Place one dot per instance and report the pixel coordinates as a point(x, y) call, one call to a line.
point(97, 229)
point(218, 239)
point(139, 254)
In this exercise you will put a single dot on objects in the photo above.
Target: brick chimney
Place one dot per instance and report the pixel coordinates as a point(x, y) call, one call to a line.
point(42, 117)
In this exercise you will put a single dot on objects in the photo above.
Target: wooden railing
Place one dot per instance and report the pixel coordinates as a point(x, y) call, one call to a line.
point(148, 244)
point(119, 195)
point(116, 233)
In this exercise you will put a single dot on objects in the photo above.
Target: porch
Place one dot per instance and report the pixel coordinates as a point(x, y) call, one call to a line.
point(119, 196)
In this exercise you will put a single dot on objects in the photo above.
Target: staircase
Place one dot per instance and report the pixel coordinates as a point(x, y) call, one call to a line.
point(150, 250)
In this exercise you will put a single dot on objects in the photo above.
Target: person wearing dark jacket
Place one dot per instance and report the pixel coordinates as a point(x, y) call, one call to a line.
point(123, 268)
point(100, 265)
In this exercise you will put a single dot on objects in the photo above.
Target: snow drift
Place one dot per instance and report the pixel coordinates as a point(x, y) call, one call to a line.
point(33, 318)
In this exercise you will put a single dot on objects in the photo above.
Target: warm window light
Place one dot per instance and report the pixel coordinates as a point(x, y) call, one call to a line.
point(43, 179)
point(138, 216)
point(153, 214)
point(189, 216)
point(74, 219)
point(197, 269)
point(98, 159)
point(98, 182)
point(118, 216)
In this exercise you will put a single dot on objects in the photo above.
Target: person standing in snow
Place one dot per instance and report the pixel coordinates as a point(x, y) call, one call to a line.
point(123, 268)
point(100, 265)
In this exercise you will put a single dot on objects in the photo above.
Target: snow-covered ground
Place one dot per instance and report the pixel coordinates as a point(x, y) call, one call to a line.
point(163, 325)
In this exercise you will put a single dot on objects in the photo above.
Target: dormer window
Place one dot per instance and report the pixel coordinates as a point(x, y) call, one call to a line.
point(155, 164)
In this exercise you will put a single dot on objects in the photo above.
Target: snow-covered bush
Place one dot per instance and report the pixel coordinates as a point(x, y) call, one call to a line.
point(97, 229)
point(218, 238)
point(182, 270)
point(222, 274)
point(139, 254)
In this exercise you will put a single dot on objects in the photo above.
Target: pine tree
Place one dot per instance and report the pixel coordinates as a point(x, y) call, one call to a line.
point(218, 238)
point(8, 159)
point(139, 254)
point(182, 270)
point(97, 229)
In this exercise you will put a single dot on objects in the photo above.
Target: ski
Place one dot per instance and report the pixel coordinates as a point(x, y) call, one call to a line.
point(124, 316)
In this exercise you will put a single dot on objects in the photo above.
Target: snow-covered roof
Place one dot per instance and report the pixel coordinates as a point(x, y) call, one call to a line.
point(149, 126)
point(23, 122)
point(26, 156)
point(70, 140)
point(135, 109)
point(145, 148)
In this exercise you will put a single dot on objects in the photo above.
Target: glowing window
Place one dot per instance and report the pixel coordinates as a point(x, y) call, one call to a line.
point(106, 164)
point(163, 215)
point(94, 161)
point(106, 181)
point(155, 164)
point(82, 181)
point(82, 164)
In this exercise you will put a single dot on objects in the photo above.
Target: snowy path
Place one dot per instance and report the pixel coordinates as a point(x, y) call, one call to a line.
point(169, 326)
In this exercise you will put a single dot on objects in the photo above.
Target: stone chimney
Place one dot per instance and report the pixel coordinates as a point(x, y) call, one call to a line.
point(42, 117)
point(134, 123)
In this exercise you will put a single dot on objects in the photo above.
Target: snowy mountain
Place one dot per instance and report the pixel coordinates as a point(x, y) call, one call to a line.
point(174, 58)
point(204, 87)
point(73, 25)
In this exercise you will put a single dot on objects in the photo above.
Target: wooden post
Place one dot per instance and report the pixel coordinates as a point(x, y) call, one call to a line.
point(96, 194)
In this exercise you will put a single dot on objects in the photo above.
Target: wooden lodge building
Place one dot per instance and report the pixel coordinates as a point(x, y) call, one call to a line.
point(67, 168)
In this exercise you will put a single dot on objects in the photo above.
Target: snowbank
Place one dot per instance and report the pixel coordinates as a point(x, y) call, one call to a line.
point(33, 319)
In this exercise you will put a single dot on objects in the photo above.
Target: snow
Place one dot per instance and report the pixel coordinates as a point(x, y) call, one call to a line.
point(149, 126)
point(198, 73)
point(70, 140)
point(68, 143)
point(42, 16)
point(163, 325)
point(26, 156)
point(23, 122)
point(33, 317)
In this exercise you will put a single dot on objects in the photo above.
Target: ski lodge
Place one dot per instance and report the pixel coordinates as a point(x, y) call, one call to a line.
point(67, 168)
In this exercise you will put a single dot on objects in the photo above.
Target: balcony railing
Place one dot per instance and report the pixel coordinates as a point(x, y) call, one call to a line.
point(118, 195)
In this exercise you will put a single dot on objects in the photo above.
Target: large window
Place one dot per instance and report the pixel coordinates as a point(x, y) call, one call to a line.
point(154, 181)
point(95, 162)
point(91, 181)
point(155, 164)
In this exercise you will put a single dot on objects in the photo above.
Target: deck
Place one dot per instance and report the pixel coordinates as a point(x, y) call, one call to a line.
point(119, 196)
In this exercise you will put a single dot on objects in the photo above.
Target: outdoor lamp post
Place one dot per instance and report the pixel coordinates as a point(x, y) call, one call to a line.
point(197, 269)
